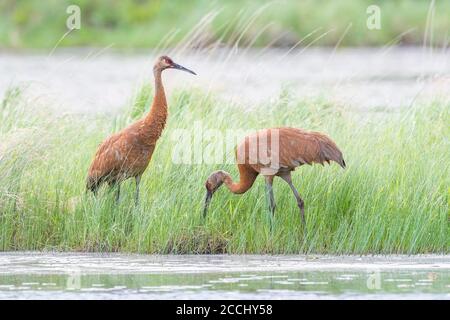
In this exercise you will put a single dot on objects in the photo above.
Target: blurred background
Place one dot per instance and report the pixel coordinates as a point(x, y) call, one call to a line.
point(151, 23)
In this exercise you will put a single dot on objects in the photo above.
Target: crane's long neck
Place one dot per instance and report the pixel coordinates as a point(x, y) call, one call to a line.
point(246, 179)
point(155, 120)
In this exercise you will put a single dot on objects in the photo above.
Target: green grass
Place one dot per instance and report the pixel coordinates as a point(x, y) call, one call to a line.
point(392, 198)
point(155, 23)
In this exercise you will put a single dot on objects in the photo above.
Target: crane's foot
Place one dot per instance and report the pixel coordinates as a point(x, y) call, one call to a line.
point(301, 206)
point(271, 217)
point(272, 211)
point(136, 197)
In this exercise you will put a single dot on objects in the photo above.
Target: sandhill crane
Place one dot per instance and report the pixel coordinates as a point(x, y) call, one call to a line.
point(127, 153)
point(274, 152)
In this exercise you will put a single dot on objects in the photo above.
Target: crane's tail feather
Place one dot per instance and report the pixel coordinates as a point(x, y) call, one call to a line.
point(329, 151)
point(92, 184)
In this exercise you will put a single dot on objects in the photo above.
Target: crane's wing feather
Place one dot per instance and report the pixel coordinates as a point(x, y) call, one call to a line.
point(269, 151)
point(105, 161)
point(299, 147)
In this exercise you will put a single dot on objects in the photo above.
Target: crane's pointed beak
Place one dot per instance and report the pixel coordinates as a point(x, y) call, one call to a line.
point(208, 198)
point(179, 67)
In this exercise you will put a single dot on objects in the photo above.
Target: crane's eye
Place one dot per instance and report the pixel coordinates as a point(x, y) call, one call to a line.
point(168, 61)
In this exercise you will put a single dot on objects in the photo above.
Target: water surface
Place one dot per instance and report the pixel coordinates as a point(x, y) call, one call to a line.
point(29, 275)
point(103, 81)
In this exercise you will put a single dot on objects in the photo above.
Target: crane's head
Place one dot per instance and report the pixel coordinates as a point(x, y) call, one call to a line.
point(164, 62)
point(214, 181)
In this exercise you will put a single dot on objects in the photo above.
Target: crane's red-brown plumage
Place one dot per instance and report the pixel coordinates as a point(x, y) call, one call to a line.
point(127, 153)
point(275, 152)
point(124, 154)
point(295, 147)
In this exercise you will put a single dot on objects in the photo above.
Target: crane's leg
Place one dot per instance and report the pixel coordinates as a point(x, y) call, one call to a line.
point(269, 191)
point(93, 190)
point(138, 180)
point(118, 193)
point(300, 202)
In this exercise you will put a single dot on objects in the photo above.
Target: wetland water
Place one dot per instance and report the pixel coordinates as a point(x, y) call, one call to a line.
point(29, 275)
point(103, 81)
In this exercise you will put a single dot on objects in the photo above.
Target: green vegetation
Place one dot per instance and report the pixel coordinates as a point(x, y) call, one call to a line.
point(131, 24)
point(392, 198)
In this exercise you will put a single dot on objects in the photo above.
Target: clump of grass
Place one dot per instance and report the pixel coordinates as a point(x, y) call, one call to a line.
point(392, 198)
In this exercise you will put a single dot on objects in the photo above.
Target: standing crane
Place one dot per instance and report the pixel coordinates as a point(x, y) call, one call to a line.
point(274, 152)
point(127, 153)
